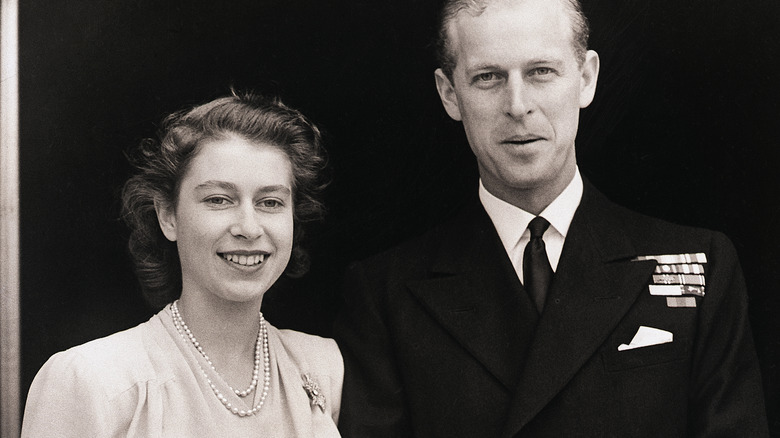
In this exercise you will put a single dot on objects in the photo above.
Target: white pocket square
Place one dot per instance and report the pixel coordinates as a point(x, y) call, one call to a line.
point(647, 336)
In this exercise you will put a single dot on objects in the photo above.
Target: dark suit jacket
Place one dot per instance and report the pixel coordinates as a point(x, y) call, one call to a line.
point(440, 339)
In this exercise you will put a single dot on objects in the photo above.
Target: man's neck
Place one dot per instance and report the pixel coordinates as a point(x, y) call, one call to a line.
point(532, 199)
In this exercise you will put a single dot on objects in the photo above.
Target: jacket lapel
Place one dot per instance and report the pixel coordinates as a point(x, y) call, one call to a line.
point(594, 286)
point(474, 294)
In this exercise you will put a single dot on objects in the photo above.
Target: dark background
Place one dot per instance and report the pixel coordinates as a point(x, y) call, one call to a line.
point(683, 127)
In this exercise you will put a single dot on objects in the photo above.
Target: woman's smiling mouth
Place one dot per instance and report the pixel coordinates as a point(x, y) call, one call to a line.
point(244, 260)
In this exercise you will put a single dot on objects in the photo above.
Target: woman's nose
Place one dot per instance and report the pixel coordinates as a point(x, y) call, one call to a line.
point(248, 224)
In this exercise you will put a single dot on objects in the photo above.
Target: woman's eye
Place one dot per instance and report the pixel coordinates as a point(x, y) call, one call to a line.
point(270, 203)
point(216, 200)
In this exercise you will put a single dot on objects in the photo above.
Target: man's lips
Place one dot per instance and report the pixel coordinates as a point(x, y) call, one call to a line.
point(521, 139)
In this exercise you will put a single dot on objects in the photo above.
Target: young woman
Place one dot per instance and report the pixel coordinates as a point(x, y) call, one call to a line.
point(215, 212)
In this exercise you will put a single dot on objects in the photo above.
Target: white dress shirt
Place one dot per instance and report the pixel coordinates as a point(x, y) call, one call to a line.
point(512, 222)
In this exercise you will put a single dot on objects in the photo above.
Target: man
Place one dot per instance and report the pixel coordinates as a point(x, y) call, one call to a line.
point(593, 321)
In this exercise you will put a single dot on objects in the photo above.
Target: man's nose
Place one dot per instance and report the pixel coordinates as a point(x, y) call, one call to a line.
point(518, 102)
point(248, 223)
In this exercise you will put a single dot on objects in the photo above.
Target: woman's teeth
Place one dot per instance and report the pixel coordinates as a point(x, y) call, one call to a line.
point(245, 260)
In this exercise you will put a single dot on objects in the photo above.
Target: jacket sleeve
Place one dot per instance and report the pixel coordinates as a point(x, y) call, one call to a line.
point(726, 398)
point(373, 402)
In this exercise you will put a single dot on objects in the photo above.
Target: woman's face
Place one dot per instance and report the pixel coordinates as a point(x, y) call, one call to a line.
point(233, 221)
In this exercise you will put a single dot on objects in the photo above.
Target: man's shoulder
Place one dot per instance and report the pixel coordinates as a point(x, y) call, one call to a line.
point(653, 235)
point(647, 234)
point(416, 253)
point(411, 255)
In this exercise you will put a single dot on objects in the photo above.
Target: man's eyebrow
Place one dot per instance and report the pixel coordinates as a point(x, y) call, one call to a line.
point(477, 67)
point(554, 61)
point(549, 61)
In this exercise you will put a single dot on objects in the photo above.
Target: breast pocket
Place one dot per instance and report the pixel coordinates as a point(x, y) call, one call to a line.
point(615, 360)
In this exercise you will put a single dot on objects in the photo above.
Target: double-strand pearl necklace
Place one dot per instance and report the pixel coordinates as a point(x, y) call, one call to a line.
point(260, 345)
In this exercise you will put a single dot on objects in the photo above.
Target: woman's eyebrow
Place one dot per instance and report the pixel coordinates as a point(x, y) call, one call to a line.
point(218, 184)
point(275, 188)
point(228, 186)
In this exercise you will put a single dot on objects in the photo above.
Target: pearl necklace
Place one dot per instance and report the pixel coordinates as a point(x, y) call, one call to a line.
point(260, 345)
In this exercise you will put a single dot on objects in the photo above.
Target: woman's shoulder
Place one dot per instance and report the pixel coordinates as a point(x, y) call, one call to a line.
point(318, 362)
point(315, 350)
point(94, 388)
point(113, 363)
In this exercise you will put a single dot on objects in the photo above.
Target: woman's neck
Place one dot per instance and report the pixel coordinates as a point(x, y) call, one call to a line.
point(227, 331)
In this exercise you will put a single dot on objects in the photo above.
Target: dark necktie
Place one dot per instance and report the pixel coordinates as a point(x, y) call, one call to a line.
point(537, 272)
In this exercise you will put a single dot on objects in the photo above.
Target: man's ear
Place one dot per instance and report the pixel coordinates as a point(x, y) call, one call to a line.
point(167, 219)
point(447, 94)
point(589, 75)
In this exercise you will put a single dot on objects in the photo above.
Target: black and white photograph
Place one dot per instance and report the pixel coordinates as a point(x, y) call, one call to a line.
point(412, 218)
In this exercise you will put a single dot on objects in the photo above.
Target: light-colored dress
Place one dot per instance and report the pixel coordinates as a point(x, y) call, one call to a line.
point(146, 382)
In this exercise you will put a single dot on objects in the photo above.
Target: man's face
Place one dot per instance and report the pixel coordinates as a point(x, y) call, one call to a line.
point(518, 89)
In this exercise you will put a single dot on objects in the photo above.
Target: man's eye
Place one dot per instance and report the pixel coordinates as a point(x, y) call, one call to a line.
point(542, 71)
point(216, 200)
point(486, 77)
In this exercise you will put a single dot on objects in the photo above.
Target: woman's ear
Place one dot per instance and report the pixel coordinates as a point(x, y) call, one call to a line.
point(166, 216)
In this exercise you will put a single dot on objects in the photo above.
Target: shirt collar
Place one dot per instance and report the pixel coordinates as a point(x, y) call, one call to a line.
point(511, 222)
point(560, 212)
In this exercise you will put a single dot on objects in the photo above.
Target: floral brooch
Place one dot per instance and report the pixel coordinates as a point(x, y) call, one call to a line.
point(313, 391)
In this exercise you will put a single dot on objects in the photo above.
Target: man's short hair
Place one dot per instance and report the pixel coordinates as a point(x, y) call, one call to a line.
point(451, 8)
